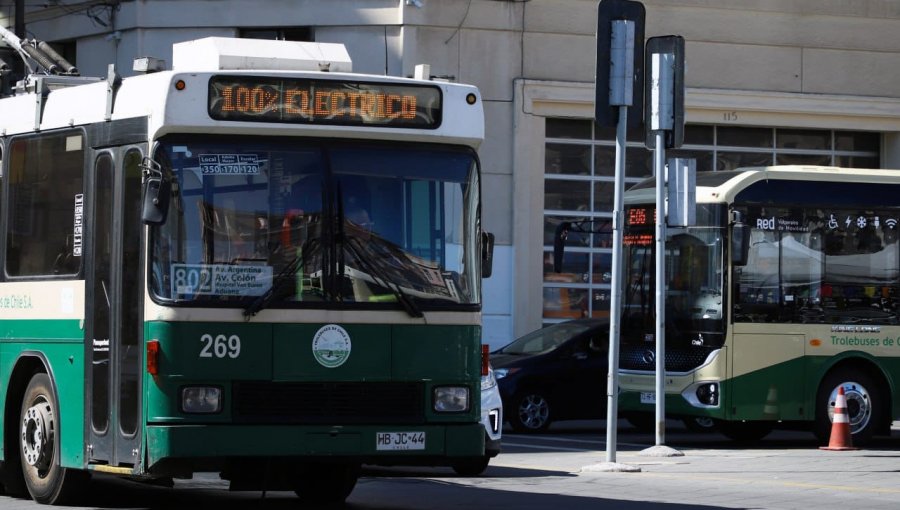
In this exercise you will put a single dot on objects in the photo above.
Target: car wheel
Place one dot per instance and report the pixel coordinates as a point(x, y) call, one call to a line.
point(699, 424)
point(471, 467)
point(46, 481)
point(745, 431)
point(863, 405)
point(530, 412)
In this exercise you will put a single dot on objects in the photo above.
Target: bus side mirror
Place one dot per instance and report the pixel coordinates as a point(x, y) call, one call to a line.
point(740, 243)
point(487, 254)
point(559, 244)
point(156, 194)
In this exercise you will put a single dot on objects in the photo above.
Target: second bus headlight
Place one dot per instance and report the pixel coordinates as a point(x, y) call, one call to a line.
point(451, 399)
point(201, 399)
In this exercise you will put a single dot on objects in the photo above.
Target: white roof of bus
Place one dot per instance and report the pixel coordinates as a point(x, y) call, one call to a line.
point(722, 186)
point(219, 53)
point(196, 61)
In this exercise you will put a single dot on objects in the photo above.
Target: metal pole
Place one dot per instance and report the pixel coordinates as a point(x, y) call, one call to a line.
point(615, 300)
point(659, 159)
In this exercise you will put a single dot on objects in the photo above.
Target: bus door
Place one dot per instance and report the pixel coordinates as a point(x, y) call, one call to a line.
point(113, 315)
point(766, 373)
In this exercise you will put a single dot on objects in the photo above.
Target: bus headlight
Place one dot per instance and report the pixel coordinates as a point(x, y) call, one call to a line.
point(451, 399)
point(708, 394)
point(201, 399)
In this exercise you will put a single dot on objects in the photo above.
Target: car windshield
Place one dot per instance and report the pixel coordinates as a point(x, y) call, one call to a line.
point(286, 222)
point(545, 339)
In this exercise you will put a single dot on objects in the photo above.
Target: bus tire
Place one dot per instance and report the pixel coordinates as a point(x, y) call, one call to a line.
point(530, 412)
point(864, 405)
point(39, 447)
point(700, 424)
point(327, 484)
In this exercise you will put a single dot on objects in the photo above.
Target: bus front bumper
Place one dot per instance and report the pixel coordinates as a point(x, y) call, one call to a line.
point(206, 447)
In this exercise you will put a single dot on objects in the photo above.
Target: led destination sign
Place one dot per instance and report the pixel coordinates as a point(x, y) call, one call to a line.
point(295, 100)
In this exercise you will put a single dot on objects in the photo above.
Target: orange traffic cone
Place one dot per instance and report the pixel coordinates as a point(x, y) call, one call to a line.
point(840, 425)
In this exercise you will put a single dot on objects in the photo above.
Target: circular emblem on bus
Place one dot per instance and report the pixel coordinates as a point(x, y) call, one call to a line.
point(331, 346)
point(648, 357)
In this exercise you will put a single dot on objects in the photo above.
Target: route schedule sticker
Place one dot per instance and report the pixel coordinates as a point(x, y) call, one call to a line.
point(220, 279)
point(229, 164)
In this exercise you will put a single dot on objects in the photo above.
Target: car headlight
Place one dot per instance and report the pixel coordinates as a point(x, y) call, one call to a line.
point(451, 399)
point(500, 373)
point(488, 381)
point(201, 399)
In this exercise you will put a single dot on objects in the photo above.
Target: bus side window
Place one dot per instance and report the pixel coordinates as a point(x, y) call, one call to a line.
point(46, 210)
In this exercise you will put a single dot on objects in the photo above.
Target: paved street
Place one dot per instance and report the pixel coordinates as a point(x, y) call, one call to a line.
point(784, 471)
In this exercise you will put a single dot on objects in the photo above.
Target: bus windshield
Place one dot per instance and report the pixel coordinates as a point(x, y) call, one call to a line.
point(694, 288)
point(290, 223)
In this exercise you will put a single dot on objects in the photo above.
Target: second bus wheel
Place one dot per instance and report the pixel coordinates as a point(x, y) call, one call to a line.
point(864, 405)
point(47, 481)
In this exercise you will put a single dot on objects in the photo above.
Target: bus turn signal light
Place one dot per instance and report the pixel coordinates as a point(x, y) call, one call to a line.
point(153, 357)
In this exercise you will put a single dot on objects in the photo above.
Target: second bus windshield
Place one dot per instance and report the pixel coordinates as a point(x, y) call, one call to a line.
point(694, 281)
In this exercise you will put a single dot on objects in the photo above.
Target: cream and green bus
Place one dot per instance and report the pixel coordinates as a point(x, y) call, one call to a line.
point(785, 289)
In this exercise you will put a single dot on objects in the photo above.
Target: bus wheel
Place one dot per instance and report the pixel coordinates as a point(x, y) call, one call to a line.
point(700, 424)
point(47, 482)
point(863, 405)
point(745, 431)
point(530, 412)
point(327, 484)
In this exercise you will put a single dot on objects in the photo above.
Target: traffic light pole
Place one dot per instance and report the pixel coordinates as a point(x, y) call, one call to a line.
point(659, 158)
point(615, 303)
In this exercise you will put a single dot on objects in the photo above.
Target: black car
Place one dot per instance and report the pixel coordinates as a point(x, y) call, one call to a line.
point(555, 373)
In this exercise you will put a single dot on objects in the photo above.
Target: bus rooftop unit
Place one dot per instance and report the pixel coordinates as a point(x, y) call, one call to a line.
point(787, 289)
point(257, 263)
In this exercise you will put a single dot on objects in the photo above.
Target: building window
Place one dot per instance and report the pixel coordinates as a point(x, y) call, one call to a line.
point(279, 34)
point(579, 175)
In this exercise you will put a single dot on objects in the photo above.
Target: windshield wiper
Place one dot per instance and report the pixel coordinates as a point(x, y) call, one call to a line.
point(378, 275)
point(285, 275)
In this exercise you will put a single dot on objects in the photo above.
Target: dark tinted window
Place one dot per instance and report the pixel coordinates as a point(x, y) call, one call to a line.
point(46, 205)
point(820, 265)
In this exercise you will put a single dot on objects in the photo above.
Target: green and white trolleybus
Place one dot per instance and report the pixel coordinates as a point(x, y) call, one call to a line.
point(256, 263)
point(787, 288)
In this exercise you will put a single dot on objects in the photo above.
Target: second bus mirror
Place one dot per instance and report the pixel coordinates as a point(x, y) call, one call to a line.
point(740, 243)
point(487, 254)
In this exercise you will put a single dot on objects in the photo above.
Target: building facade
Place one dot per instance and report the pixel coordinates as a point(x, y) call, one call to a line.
point(799, 81)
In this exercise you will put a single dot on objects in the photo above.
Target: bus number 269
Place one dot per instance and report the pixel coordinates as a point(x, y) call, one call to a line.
point(220, 346)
